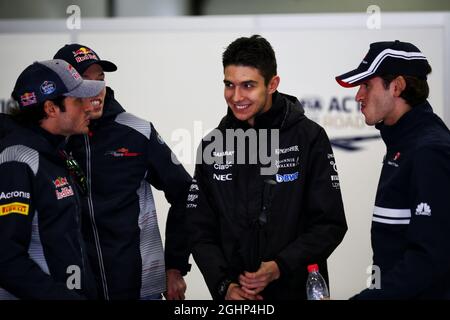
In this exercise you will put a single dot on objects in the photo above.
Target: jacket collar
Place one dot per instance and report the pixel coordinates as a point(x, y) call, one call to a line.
point(49, 143)
point(111, 109)
point(407, 125)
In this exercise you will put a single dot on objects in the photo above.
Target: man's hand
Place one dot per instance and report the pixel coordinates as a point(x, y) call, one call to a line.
point(255, 282)
point(235, 292)
point(176, 287)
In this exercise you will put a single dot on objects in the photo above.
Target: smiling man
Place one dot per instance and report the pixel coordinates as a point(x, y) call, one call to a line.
point(411, 217)
point(123, 157)
point(253, 234)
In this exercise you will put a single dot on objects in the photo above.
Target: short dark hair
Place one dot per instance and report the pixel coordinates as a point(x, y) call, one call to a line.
point(416, 91)
point(35, 114)
point(255, 52)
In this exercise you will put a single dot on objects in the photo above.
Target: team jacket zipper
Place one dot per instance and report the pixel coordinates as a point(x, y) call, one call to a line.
point(92, 218)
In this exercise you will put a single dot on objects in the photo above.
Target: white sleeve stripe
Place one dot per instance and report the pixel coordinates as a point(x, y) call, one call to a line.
point(390, 221)
point(392, 213)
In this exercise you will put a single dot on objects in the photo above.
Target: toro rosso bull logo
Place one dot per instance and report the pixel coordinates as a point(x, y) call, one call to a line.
point(63, 188)
point(122, 152)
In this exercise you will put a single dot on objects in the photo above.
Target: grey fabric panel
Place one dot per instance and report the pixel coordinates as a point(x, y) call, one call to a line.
point(5, 295)
point(134, 122)
point(36, 253)
point(21, 153)
point(153, 267)
point(36, 250)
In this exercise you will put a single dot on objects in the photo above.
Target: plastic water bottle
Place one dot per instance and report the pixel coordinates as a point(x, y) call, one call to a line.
point(316, 287)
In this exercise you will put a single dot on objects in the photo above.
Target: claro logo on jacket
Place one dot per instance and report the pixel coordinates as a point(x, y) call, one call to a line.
point(63, 188)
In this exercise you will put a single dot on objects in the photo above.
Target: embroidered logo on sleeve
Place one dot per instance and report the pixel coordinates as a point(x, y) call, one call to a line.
point(423, 209)
point(14, 207)
point(122, 152)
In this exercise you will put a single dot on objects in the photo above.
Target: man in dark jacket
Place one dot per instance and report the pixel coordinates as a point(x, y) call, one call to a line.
point(123, 157)
point(256, 221)
point(42, 254)
point(411, 218)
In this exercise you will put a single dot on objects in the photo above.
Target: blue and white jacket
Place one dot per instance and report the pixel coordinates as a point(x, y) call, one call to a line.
point(411, 219)
point(42, 254)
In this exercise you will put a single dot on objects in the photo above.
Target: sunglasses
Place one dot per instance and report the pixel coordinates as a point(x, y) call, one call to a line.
point(75, 172)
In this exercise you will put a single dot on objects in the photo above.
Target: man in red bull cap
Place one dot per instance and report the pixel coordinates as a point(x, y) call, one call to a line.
point(124, 156)
point(42, 255)
point(411, 217)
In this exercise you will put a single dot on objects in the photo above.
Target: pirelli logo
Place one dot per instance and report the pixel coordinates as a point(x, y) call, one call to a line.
point(15, 207)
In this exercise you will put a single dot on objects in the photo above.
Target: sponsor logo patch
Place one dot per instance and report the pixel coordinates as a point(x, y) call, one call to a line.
point(63, 188)
point(15, 207)
point(28, 98)
point(14, 194)
point(288, 177)
point(222, 177)
point(122, 152)
point(83, 54)
point(223, 153)
point(287, 163)
point(48, 87)
point(226, 166)
point(286, 150)
point(394, 160)
point(192, 197)
point(423, 209)
point(73, 72)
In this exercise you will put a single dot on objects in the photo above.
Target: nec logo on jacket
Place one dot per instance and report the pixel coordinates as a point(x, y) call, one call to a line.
point(222, 177)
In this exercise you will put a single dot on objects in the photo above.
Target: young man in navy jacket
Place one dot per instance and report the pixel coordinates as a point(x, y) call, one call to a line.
point(124, 156)
point(411, 217)
point(42, 252)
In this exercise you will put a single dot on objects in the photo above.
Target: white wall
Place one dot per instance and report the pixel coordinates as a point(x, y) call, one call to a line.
point(170, 73)
point(139, 8)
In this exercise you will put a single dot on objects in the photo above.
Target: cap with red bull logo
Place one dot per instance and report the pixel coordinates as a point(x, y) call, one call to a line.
point(81, 57)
